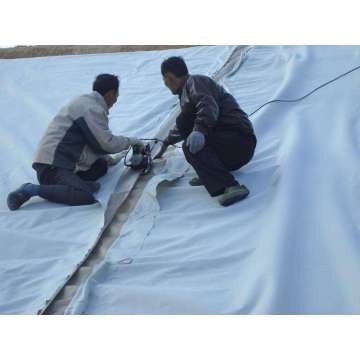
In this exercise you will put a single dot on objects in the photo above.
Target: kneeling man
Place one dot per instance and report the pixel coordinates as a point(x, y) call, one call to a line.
point(74, 151)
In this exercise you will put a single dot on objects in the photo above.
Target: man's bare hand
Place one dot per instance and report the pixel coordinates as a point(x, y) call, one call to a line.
point(116, 158)
point(164, 147)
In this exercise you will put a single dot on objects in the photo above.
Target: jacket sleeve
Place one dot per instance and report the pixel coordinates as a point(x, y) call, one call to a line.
point(173, 137)
point(95, 128)
point(202, 96)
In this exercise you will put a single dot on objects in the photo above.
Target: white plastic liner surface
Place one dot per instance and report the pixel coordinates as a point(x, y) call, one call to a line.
point(41, 243)
point(292, 247)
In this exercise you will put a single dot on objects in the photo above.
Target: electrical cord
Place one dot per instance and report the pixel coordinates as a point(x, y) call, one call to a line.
point(308, 94)
point(159, 140)
point(267, 103)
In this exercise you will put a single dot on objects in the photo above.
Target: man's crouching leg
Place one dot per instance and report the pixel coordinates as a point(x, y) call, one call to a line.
point(216, 178)
point(62, 194)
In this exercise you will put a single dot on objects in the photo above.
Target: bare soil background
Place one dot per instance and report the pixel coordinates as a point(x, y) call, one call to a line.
point(54, 50)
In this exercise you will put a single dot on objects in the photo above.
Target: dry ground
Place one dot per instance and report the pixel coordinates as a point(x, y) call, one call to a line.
point(53, 50)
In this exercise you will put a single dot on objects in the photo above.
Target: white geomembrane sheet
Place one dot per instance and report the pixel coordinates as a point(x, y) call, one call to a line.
point(42, 243)
point(293, 246)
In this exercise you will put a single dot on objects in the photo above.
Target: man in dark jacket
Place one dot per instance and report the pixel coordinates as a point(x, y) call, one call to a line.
point(218, 135)
point(74, 151)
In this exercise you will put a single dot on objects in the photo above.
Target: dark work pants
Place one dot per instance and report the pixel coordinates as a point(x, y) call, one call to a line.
point(225, 150)
point(66, 187)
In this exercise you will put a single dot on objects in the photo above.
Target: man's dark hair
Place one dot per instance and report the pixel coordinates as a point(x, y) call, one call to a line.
point(106, 82)
point(175, 65)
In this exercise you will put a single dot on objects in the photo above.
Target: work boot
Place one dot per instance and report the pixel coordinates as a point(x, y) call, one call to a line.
point(233, 194)
point(18, 197)
point(195, 181)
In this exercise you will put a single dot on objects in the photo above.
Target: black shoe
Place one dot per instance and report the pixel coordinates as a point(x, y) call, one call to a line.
point(18, 197)
point(195, 181)
point(233, 194)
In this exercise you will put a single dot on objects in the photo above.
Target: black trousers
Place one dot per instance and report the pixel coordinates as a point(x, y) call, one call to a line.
point(225, 150)
point(66, 187)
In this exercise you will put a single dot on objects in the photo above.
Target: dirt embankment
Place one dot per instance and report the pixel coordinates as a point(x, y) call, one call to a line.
point(54, 50)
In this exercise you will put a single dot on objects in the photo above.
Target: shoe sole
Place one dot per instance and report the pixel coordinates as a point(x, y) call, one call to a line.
point(196, 184)
point(235, 198)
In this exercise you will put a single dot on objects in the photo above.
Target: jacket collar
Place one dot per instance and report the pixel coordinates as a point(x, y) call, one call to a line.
point(100, 100)
point(181, 88)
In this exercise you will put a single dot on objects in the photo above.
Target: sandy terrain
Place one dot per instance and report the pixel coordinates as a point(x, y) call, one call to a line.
point(53, 50)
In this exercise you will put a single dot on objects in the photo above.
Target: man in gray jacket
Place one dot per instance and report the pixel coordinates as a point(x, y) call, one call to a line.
point(218, 135)
point(73, 153)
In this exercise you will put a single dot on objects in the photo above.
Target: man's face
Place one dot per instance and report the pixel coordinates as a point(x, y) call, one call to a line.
point(111, 97)
point(171, 82)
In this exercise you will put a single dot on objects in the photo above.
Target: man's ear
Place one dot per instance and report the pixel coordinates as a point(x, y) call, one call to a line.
point(108, 97)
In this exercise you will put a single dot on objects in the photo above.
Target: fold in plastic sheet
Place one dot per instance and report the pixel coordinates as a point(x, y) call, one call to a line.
point(42, 243)
point(292, 247)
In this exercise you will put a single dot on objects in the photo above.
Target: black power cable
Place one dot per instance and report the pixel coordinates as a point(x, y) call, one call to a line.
point(159, 140)
point(267, 103)
point(308, 94)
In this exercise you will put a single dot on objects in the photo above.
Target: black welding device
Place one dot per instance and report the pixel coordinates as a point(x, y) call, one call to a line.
point(140, 158)
point(141, 155)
